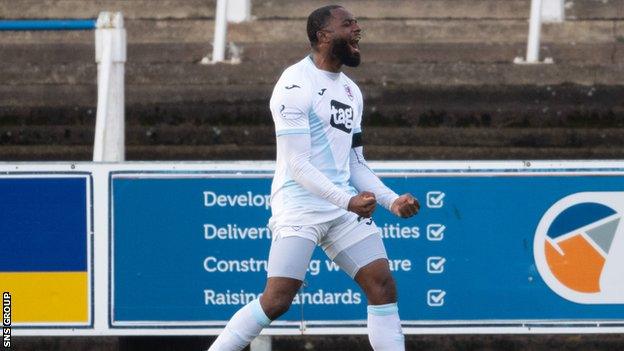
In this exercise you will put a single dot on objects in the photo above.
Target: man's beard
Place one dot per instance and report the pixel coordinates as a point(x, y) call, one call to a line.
point(342, 50)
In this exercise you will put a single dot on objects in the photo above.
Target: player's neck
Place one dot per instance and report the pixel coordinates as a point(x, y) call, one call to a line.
point(326, 62)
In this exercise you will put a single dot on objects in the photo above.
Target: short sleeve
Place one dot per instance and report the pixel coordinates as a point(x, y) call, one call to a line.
point(290, 104)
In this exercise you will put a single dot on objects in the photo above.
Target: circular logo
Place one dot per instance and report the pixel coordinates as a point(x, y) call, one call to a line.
point(579, 247)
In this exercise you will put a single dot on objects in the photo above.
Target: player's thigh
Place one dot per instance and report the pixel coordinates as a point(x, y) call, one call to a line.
point(290, 256)
point(366, 262)
point(289, 259)
point(364, 254)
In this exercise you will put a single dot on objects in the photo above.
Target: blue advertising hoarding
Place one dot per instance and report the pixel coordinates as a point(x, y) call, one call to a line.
point(189, 249)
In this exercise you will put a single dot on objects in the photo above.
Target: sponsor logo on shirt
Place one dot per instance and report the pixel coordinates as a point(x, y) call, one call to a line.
point(341, 116)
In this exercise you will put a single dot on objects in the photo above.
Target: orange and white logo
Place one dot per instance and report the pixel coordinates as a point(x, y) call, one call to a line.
point(579, 247)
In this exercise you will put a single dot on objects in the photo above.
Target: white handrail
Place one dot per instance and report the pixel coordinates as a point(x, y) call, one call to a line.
point(220, 32)
point(103, 92)
point(535, 28)
point(110, 54)
point(227, 11)
point(541, 11)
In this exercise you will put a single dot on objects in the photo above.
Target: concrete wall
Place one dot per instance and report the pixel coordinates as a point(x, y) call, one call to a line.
point(437, 67)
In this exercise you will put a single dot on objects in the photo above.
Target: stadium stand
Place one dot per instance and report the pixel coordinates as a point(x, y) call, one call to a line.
point(437, 78)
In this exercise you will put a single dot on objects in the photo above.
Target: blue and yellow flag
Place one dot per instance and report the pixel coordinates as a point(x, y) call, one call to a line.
point(44, 249)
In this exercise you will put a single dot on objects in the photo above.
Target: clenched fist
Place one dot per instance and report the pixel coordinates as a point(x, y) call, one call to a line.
point(405, 206)
point(363, 204)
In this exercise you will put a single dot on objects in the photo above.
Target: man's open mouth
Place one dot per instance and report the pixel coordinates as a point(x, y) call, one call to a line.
point(355, 45)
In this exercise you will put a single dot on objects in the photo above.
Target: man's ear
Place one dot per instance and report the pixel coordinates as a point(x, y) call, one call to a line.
point(322, 36)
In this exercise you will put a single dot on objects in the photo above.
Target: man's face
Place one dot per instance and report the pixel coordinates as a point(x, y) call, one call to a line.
point(346, 34)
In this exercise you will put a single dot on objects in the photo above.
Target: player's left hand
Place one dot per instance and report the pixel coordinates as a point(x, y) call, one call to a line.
point(405, 206)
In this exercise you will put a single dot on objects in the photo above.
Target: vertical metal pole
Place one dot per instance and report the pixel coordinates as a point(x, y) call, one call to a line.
point(103, 49)
point(535, 27)
point(220, 32)
point(110, 55)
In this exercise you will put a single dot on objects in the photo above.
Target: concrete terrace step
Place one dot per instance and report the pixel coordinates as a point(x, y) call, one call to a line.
point(562, 105)
point(442, 9)
point(263, 9)
point(374, 31)
point(141, 152)
point(134, 9)
point(467, 31)
point(490, 153)
point(507, 138)
point(85, 53)
point(284, 54)
point(20, 99)
point(400, 9)
point(203, 135)
point(459, 73)
point(373, 152)
point(427, 115)
point(375, 74)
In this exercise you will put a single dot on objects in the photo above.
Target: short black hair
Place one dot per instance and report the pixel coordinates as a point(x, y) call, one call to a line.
point(318, 20)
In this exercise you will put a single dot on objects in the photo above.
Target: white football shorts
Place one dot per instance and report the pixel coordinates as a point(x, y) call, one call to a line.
point(350, 241)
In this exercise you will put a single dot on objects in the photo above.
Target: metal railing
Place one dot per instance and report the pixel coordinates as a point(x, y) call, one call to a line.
point(227, 11)
point(68, 24)
point(110, 55)
point(541, 11)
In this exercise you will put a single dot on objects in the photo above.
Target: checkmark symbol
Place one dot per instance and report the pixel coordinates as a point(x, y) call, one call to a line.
point(435, 297)
point(435, 199)
point(435, 232)
point(435, 264)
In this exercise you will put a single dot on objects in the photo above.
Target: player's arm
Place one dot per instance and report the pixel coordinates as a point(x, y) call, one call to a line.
point(296, 148)
point(364, 179)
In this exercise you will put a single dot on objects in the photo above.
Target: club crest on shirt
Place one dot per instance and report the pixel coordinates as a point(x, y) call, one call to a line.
point(341, 116)
point(348, 91)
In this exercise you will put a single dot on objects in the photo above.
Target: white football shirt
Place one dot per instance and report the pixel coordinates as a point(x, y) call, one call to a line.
point(328, 106)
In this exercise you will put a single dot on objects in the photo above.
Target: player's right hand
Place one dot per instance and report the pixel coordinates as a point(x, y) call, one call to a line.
point(363, 204)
